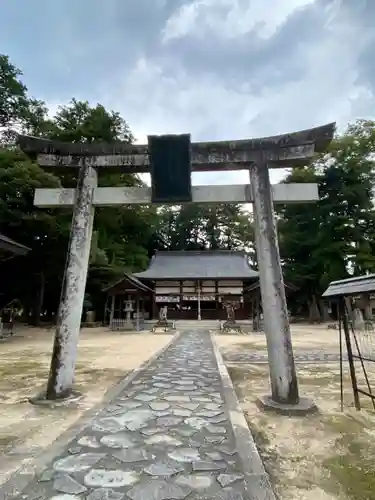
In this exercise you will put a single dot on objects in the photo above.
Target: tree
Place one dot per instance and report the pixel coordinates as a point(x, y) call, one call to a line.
point(198, 227)
point(44, 231)
point(333, 238)
point(80, 122)
point(299, 227)
point(17, 109)
point(123, 237)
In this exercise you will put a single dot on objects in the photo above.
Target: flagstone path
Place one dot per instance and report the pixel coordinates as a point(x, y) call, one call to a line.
point(166, 436)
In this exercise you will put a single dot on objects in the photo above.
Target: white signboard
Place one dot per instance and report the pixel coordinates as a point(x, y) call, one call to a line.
point(203, 298)
point(167, 298)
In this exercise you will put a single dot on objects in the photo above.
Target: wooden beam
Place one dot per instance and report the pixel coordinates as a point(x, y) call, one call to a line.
point(120, 196)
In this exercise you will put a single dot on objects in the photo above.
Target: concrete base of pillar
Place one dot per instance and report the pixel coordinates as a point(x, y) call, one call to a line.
point(71, 400)
point(304, 407)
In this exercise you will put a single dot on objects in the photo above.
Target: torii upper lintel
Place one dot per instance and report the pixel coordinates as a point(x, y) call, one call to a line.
point(282, 151)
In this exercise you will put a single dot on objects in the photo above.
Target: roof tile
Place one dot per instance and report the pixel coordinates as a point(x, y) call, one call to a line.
point(204, 264)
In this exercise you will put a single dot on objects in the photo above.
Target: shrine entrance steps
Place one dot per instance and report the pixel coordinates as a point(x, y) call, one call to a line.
point(205, 324)
point(193, 324)
point(168, 433)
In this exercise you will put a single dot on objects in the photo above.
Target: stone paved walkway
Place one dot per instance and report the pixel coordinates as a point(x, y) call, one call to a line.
point(166, 436)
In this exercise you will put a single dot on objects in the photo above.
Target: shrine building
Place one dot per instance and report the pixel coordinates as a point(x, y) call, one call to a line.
point(194, 284)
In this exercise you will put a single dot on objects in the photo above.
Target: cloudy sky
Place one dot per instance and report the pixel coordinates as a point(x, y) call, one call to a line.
point(219, 69)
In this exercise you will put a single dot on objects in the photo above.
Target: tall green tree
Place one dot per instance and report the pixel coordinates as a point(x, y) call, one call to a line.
point(18, 111)
point(45, 232)
point(198, 227)
point(333, 238)
point(123, 237)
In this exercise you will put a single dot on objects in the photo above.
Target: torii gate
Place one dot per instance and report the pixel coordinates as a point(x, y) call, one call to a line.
point(170, 160)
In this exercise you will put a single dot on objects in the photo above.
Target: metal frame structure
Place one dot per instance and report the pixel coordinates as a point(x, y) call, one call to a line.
point(256, 155)
point(341, 292)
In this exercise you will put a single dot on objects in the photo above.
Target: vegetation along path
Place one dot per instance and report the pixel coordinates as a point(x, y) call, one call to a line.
point(167, 435)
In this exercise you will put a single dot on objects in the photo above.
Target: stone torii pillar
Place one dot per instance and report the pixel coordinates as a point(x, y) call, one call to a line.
point(284, 385)
point(255, 154)
point(69, 314)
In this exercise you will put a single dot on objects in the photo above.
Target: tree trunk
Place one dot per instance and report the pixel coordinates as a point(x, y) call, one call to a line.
point(314, 314)
point(324, 311)
point(37, 307)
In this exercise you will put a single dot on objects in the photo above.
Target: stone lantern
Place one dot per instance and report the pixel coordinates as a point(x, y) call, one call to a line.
point(129, 308)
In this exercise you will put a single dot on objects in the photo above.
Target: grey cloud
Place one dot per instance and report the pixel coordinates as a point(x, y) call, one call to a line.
point(241, 68)
point(79, 45)
point(248, 57)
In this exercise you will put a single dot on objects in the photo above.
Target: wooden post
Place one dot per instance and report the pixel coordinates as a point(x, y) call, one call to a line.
point(105, 312)
point(112, 314)
point(199, 300)
point(137, 308)
point(344, 315)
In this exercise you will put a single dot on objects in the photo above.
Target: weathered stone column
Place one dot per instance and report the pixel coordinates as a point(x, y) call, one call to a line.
point(284, 386)
point(68, 325)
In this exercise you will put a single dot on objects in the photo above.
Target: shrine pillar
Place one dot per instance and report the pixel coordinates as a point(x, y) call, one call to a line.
point(68, 324)
point(284, 385)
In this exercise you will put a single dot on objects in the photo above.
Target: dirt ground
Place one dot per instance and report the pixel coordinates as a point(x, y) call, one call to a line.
point(104, 358)
point(304, 338)
point(326, 456)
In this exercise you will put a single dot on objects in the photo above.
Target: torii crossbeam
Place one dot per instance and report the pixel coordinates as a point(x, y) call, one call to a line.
point(256, 155)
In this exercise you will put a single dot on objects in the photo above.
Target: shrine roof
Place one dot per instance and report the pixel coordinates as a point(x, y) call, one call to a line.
point(256, 286)
point(11, 246)
point(129, 281)
point(198, 264)
point(351, 286)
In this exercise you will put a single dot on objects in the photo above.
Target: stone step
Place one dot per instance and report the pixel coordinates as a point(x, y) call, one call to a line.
point(185, 324)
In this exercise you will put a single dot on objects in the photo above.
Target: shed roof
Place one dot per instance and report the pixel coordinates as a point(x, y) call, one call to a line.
point(351, 286)
point(11, 246)
point(198, 264)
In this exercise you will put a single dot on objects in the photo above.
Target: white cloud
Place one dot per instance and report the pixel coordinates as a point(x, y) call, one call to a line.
point(232, 69)
point(231, 18)
point(165, 95)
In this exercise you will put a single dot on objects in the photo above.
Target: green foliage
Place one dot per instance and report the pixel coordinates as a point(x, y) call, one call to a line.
point(79, 122)
point(122, 236)
point(13, 93)
point(333, 238)
point(194, 227)
point(17, 109)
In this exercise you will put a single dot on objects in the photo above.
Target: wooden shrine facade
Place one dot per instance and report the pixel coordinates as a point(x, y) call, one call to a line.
point(129, 304)
point(253, 301)
point(197, 284)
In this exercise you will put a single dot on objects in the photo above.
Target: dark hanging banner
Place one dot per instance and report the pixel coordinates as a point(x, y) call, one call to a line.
point(170, 168)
